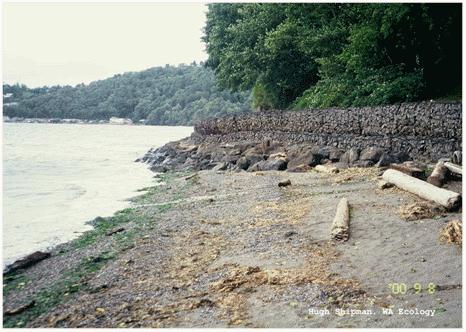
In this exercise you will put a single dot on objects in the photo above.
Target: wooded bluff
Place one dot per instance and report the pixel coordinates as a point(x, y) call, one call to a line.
point(166, 95)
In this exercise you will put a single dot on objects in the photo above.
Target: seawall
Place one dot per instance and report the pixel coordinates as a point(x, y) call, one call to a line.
point(424, 130)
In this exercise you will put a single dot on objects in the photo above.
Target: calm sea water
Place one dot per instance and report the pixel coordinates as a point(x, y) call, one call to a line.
point(58, 176)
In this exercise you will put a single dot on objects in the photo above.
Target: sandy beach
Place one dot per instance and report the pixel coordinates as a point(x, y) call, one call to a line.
point(219, 249)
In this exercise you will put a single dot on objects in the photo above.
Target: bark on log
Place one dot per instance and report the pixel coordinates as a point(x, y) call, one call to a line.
point(326, 169)
point(340, 225)
point(439, 174)
point(457, 169)
point(446, 198)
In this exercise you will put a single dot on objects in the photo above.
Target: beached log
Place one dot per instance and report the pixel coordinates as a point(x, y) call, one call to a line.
point(340, 225)
point(27, 261)
point(409, 168)
point(190, 176)
point(456, 169)
point(446, 198)
point(439, 174)
point(116, 230)
point(326, 169)
point(20, 309)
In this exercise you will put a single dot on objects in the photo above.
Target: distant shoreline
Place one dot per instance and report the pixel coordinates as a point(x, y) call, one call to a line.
point(70, 121)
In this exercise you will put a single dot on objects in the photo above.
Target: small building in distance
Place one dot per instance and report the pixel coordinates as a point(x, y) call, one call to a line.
point(120, 121)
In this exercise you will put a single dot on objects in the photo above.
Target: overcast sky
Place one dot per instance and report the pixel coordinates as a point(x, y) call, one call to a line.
point(72, 43)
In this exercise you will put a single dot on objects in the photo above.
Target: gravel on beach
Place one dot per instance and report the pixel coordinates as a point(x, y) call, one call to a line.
point(235, 249)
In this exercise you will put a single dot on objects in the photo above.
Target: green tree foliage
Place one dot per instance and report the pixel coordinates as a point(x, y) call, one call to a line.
point(321, 55)
point(163, 96)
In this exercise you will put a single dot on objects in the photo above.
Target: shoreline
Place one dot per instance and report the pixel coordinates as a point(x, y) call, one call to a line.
point(97, 271)
point(68, 121)
point(55, 190)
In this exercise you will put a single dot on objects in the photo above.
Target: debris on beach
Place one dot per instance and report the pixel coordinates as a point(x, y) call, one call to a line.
point(329, 169)
point(355, 174)
point(114, 231)
point(420, 210)
point(284, 183)
point(452, 233)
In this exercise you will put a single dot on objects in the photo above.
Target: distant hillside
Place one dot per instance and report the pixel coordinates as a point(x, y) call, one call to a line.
point(161, 95)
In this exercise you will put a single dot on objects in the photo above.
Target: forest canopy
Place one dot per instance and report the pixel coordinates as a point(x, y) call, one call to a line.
point(322, 55)
point(166, 95)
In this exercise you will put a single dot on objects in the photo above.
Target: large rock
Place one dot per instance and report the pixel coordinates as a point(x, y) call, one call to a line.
point(321, 152)
point(363, 163)
point(243, 163)
point(254, 155)
point(372, 154)
point(269, 165)
point(388, 159)
point(335, 154)
point(302, 157)
point(220, 167)
point(350, 156)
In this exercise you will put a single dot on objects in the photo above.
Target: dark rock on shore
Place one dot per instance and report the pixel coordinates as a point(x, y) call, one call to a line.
point(27, 261)
point(284, 183)
point(262, 155)
point(269, 165)
point(295, 141)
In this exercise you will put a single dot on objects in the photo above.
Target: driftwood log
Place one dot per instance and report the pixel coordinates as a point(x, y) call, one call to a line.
point(20, 309)
point(456, 169)
point(439, 174)
point(27, 261)
point(340, 225)
point(446, 198)
point(409, 168)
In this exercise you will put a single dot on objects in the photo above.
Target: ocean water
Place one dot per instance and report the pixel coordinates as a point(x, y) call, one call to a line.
point(58, 176)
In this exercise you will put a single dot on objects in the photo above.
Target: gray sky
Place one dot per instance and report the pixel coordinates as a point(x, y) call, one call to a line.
point(72, 43)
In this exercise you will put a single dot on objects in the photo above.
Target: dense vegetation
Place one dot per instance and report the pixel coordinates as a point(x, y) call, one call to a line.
point(320, 55)
point(162, 95)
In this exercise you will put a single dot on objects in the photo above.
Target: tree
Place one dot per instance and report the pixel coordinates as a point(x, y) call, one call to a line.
point(301, 55)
